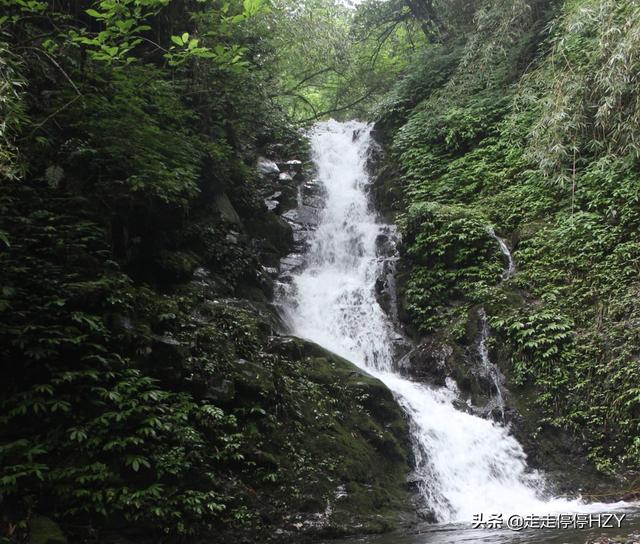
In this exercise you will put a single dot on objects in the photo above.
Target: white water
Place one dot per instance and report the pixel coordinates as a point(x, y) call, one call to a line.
point(466, 465)
point(491, 370)
point(504, 249)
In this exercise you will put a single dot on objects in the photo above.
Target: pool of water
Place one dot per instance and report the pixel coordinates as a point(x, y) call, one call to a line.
point(455, 533)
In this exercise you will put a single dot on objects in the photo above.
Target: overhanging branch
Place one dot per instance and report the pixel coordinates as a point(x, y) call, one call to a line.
point(338, 109)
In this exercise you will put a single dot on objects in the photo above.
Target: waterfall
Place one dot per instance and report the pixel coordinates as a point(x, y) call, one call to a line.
point(465, 464)
point(491, 370)
point(510, 270)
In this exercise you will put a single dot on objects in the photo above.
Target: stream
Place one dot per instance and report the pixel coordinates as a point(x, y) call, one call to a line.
point(460, 533)
point(466, 465)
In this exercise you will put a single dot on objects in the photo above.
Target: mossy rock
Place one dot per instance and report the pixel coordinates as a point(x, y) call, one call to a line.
point(274, 233)
point(367, 438)
point(253, 377)
point(226, 210)
point(387, 191)
point(46, 531)
point(176, 266)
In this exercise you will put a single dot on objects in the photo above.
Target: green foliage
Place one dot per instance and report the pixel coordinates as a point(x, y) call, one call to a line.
point(451, 257)
point(542, 349)
point(130, 141)
point(430, 71)
point(108, 416)
point(217, 27)
point(335, 60)
point(12, 113)
point(163, 414)
point(142, 397)
point(80, 419)
point(431, 146)
point(589, 268)
point(535, 139)
point(122, 28)
point(586, 88)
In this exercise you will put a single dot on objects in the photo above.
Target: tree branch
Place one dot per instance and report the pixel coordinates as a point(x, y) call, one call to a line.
point(304, 80)
point(341, 108)
point(55, 63)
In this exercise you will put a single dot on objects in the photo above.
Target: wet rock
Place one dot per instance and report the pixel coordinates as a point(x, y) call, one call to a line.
point(485, 383)
point(430, 362)
point(444, 363)
point(168, 350)
point(290, 264)
point(423, 511)
point(305, 218)
point(201, 273)
point(555, 450)
point(386, 243)
point(266, 166)
point(340, 492)
point(222, 392)
point(278, 233)
point(271, 271)
point(297, 348)
point(272, 201)
point(386, 290)
point(293, 165)
point(303, 221)
point(226, 210)
point(629, 539)
point(282, 200)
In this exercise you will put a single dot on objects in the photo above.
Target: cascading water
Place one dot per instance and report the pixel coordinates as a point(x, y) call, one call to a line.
point(510, 270)
point(465, 464)
point(492, 371)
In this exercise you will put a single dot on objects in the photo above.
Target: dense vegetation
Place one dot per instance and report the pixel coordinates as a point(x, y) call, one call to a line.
point(145, 392)
point(525, 122)
point(142, 393)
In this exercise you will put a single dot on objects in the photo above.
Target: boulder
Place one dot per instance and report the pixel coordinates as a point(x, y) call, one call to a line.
point(250, 376)
point(266, 166)
point(222, 392)
point(226, 210)
point(293, 165)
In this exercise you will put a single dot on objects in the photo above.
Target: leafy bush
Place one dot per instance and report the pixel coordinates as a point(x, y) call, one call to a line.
point(535, 138)
point(130, 142)
point(11, 112)
point(84, 431)
point(450, 256)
